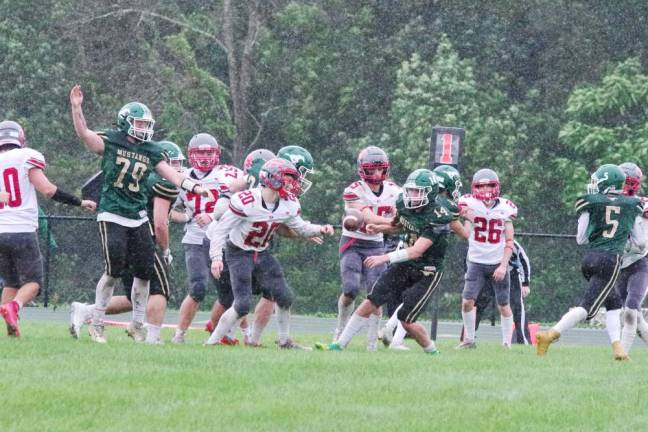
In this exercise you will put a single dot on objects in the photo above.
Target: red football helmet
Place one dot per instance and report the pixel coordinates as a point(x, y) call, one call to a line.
point(485, 177)
point(204, 152)
point(373, 158)
point(633, 178)
point(11, 133)
point(273, 175)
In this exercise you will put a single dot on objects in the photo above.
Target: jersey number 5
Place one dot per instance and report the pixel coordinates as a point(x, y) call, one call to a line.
point(613, 223)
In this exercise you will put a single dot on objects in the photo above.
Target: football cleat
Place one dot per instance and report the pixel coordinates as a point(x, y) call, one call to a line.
point(291, 344)
point(136, 331)
point(249, 343)
point(544, 339)
point(435, 352)
point(226, 340)
point(466, 345)
point(97, 333)
point(372, 346)
point(9, 312)
point(209, 327)
point(401, 347)
point(179, 337)
point(78, 317)
point(385, 336)
point(619, 352)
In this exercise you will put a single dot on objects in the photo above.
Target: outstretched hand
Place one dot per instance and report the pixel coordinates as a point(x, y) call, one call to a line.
point(76, 96)
point(89, 205)
point(327, 230)
point(375, 260)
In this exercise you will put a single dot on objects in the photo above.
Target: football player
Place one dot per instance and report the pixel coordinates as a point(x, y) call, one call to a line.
point(633, 277)
point(606, 218)
point(128, 157)
point(375, 197)
point(245, 231)
point(414, 272)
point(490, 245)
point(162, 194)
point(449, 192)
point(206, 170)
point(21, 265)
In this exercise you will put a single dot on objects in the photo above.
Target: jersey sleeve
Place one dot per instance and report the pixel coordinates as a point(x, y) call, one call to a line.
point(157, 154)
point(236, 204)
point(512, 210)
point(34, 159)
point(582, 205)
point(350, 194)
point(165, 189)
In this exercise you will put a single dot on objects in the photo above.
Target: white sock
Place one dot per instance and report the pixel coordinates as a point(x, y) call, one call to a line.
point(469, 319)
point(247, 331)
point(570, 319)
point(139, 297)
point(355, 324)
point(642, 326)
point(613, 324)
point(283, 322)
point(629, 328)
point(507, 329)
point(430, 348)
point(232, 333)
point(226, 322)
point(255, 333)
point(180, 332)
point(88, 310)
point(393, 321)
point(153, 333)
point(372, 331)
point(344, 312)
point(103, 293)
point(399, 335)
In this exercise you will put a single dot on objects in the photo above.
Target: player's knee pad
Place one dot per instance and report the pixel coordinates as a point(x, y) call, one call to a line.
point(198, 292)
point(284, 299)
point(242, 305)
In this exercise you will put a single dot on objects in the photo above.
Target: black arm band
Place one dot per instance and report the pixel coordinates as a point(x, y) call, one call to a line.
point(66, 198)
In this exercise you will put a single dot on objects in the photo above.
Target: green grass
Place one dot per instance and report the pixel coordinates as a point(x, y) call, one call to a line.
point(53, 383)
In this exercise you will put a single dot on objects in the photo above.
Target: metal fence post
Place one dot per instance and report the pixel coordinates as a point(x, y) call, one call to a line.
point(47, 261)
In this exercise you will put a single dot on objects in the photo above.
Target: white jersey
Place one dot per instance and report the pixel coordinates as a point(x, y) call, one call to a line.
point(487, 240)
point(381, 205)
point(249, 225)
point(637, 245)
point(217, 181)
point(20, 214)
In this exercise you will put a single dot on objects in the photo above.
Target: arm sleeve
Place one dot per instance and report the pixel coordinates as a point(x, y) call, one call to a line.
point(581, 232)
point(217, 234)
point(221, 207)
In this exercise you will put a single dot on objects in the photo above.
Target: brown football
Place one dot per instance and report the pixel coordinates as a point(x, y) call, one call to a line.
point(352, 219)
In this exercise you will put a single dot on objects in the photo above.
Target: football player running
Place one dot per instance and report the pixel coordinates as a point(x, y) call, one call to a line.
point(633, 277)
point(490, 245)
point(606, 219)
point(128, 157)
point(162, 194)
point(206, 170)
point(449, 194)
point(245, 231)
point(21, 265)
point(375, 197)
point(414, 272)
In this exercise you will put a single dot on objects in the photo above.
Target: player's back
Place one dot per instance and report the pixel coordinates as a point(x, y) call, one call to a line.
point(20, 213)
point(611, 218)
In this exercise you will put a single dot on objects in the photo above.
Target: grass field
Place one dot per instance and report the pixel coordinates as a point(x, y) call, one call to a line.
point(52, 383)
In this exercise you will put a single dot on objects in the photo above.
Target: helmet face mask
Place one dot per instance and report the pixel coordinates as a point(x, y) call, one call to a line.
point(485, 185)
point(204, 152)
point(634, 175)
point(373, 165)
point(176, 158)
point(11, 134)
point(136, 120)
point(281, 176)
point(420, 188)
point(302, 160)
point(607, 179)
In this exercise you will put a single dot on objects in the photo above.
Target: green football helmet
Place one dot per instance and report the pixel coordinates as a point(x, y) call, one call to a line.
point(176, 158)
point(255, 160)
point(609, 178)
point(136, 112)
point(303, 161)
point(420, 188)
point(450, 180)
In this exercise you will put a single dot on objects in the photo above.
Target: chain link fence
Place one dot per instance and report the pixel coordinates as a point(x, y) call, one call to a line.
point(73, 264)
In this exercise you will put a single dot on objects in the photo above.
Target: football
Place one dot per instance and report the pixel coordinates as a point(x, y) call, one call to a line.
point(352, 219)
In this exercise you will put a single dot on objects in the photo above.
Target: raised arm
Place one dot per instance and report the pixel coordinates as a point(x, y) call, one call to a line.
point(90, 139)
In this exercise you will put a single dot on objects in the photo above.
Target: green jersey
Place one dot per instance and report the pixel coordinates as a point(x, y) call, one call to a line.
point(124, 165)
point(156, 186)
point(430, 222)
point(611, 218)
